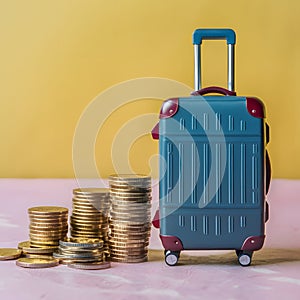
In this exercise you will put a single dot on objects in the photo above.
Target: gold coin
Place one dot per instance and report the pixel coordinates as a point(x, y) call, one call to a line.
point(43, 256)
point(39, 251)
point(89, 215)
point(116, 194)
point(128, 255)
point(131, 205)
point(36, 248)
point(130, 211)
point(51, 222)
point(130, 185)
point(128, 241)
point(46, 218)
point(130, 220)
point(48, 230)
point(92, 202)
point(129, 200)
point(38, 238)
point(115, 241)
point(132, 248)
point(126, 222)
point(131, 235)
point(66, 261)
point(126, 178)
point(101, 226)
point(85, 241)
point(80, 234)
point(27, 262)
point(41, 210)
point(86, 233)
point(88, 191)
point(40, 243)
point(81, 208)
point(9, 253)
point(87, 220)
point(90, 266)
point(27, 248)
point(129, 260)
point(84, 217)
point(48, 214)
point(144, 227)
point(24, 244)
point(86, 230)
point(45, 231)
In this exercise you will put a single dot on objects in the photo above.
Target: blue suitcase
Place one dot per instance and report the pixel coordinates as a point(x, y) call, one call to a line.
point(214, 167)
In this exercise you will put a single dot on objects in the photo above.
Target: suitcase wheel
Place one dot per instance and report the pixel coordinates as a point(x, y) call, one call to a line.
point(244, 258)
point(171, 257)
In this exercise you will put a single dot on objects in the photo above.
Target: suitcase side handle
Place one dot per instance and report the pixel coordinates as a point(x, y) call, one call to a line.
point(213, 89)
point(214, 34)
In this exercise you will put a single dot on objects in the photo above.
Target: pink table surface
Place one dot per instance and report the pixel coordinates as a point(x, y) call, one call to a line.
point(274, 273)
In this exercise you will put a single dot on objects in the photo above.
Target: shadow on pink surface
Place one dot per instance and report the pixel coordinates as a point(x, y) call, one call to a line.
point(263, 257)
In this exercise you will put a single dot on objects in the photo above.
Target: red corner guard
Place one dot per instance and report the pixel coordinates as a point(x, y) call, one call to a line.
point(255, 107)
point(169, 108)
point(253, 243)
point(172, 243)
point(155, 221)
point(155, 132)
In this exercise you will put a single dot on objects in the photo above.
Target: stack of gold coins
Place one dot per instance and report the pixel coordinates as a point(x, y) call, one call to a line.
point(48, 225)
point(130, 217)
point(90, 214)
point(29, 251)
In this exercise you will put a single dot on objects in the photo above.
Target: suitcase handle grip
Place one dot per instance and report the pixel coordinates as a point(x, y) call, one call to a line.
point(214, 34)
point(213, 89)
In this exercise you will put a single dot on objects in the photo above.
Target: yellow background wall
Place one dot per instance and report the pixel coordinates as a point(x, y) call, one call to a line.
point(56, 56)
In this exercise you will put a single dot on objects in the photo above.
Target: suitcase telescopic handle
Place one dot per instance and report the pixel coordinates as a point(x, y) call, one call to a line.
point(214, 34)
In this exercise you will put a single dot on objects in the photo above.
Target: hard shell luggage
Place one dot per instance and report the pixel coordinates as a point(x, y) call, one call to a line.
point(214, 167)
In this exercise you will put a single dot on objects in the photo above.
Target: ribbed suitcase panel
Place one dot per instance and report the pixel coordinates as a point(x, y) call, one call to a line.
point(211, 185)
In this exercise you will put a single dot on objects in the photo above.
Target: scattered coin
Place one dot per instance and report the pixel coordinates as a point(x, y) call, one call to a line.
point(9, 253)
point(90, 266)
point(27, 262)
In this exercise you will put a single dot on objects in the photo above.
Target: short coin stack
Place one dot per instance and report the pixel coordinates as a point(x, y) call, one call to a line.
point(81, 253)
point(48, 225)
point(130, 217)
point(36, 252)
point(90, 214)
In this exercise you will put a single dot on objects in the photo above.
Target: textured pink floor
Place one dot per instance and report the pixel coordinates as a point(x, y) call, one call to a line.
point(274, 273)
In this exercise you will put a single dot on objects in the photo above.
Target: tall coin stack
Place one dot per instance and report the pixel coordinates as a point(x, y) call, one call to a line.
point(48, 225)
point(130, 217)
point(90, 214)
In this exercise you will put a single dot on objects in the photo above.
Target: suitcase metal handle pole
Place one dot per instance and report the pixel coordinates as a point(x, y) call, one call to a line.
point(214, 34)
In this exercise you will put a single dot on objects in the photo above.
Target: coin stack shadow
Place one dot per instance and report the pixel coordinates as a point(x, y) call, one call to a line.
point(130, 217)
point(48, 225)
point(89, 217)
